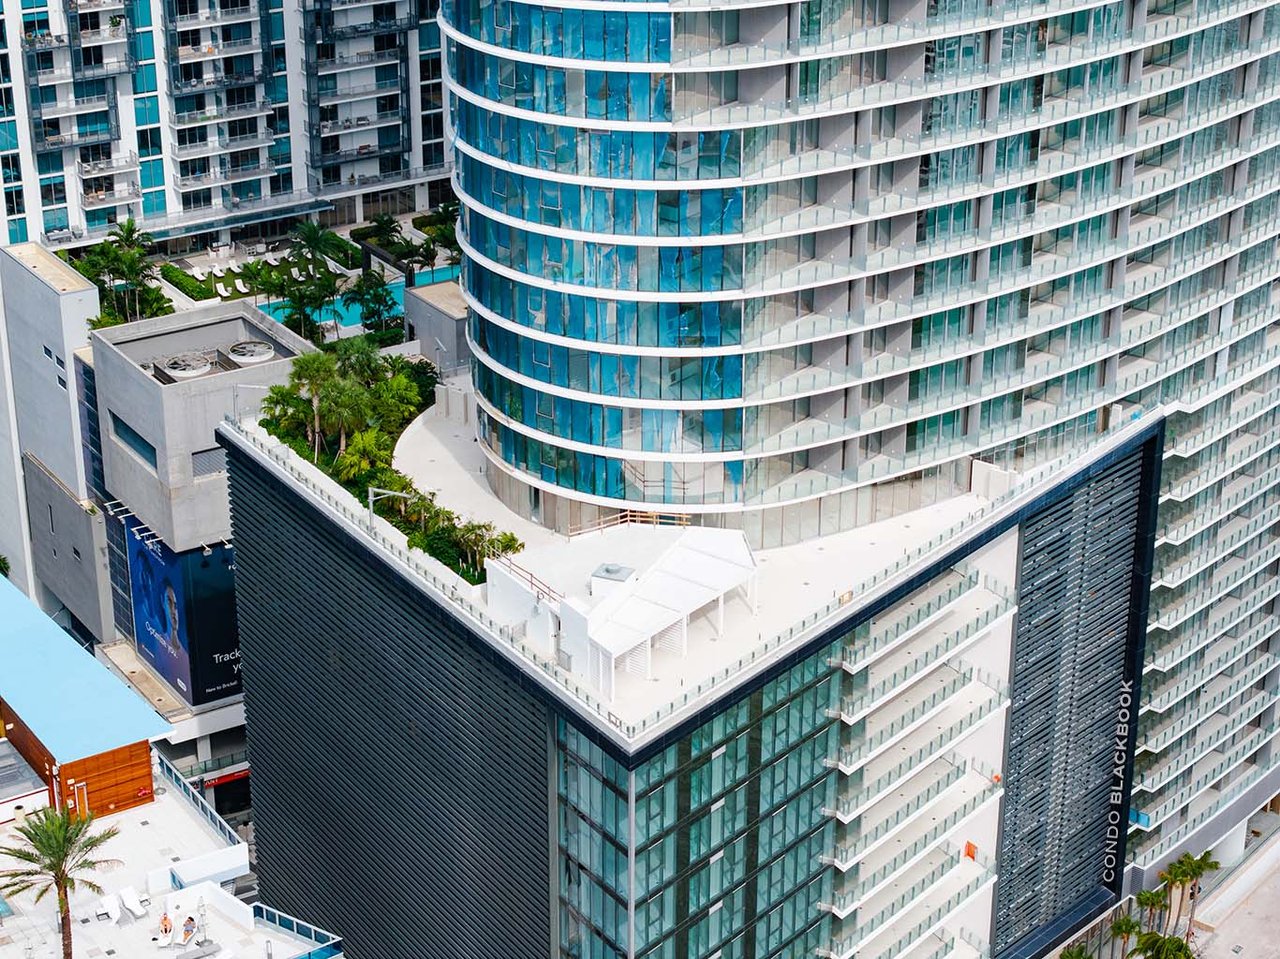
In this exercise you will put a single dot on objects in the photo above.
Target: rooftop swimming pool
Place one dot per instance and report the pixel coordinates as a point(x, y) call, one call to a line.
point(350, 315)
point(5, 909)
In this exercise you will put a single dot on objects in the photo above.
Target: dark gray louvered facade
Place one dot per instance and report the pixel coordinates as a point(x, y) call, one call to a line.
point(1082, 597)
point(424, 769)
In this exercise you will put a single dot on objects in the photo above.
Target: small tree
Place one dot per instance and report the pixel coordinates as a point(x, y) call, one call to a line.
point(395, 401)
point(369, 451)
point(1175, 879)
point(359, 359)
point(1152, 945)
point(311, 375)
point(344, 407)
point(1075, 952)
point(312, 242)
point(1151, 900)
point(1125, 928)
point(4, 566)
point(58, 854)
point(127, 235)
point(373, 297)
point(1197, 868)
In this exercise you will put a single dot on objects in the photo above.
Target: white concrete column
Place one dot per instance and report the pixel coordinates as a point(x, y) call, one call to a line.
point(1229, 850)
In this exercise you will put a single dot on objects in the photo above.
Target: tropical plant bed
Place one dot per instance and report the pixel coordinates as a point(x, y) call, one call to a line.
point(186, 284)
point(344, 411)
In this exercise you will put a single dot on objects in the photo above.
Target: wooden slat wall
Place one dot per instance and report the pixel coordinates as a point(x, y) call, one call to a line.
point(29, 748)
point(116, 780)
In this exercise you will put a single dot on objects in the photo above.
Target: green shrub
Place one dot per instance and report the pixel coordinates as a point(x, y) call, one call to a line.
point(187, 284)
point(347, 254)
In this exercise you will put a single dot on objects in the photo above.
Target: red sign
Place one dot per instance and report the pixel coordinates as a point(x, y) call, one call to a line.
point(144, 792)
point(227, 778)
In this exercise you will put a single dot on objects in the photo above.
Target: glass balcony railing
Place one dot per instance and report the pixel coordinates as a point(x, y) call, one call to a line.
point(901, 622)
point(1186, 443)
point(1157, 775)
point(1216, 470)
point(1188, 607)
point(873, 834)
point(1167, 695)
point(1192, 716)
point(901, 677)
point(328, 946)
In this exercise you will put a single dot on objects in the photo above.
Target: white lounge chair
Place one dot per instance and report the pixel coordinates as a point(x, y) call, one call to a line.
point(217, 271)
point(272, 259)
point(133, 902)
point(234, 266)
point(109, 906)
point(242, 287)
point(198, 273)
point(221, 290)
point(298, 275)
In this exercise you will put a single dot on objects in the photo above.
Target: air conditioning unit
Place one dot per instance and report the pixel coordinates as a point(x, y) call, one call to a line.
point(186, 366)
point(251, 352)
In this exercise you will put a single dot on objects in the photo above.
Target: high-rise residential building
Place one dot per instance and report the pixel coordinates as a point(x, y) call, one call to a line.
point(819, 354)
point(788, 267)
point(215, 116)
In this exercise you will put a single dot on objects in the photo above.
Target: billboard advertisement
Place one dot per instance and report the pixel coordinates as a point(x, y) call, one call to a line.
point(184, 615)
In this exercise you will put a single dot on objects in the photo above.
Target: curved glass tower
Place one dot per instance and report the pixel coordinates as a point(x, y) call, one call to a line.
point(793, 266)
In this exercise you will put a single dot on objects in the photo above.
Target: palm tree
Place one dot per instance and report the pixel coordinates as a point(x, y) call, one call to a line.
point(58, 854)
point(284, 406)
point(1075, 952)
point(369, 450)
point(4, 566)
point(373, 297)
point(1152, 900)
point(473, 537)
point(395, 401)
point(314, 242)
point(136, 272)
point(1197, 868)
point(385, 231)
point(1175, 879)
point(359, 359)
point(129, 236)
point(1125, 928)
point(505, 543)
point(311, 375)
point(1152, 945)
point(344, 405)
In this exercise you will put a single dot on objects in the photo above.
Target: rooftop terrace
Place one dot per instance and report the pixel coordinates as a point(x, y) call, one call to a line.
point(174, 853)
point(800, 590)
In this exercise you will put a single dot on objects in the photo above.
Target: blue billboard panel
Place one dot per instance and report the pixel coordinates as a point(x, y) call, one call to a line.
point(159, 608)
point(184, 615)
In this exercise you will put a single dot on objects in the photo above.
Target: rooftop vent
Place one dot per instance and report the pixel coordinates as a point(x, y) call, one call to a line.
point(608, 577)
point(186, 366)
point(249, 352)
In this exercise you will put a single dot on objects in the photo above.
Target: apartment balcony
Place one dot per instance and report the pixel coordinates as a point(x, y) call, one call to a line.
point(214, 78)
point(1242, 450)
point(1227, 575)
point(359, 91)
point(228, 208)
point(1199, 716)
point(109, 67)
point(852, 892)
point(356, 61)
point(224, 111)
point(112, 166)
point(914, 915)
point(1230, 613)
point(956, 631)
point(104, 35)
point(1244, 408)
point(105, 198)
point(45, 142)
point(1182, 682)
point(949, 696)
point(1151, 809)
point(44, 41)
point(226, 174)
point(365, 151)
point(1229, 537)
point(1218, 731)
point(1239, 493)
point(222, 144)
point(1164, 660)
point(357, 123)
point(353, 182)
point(216, 49)
point(214, 13)
point(368, 28)
point(924, 607)
point(86, 6)
point(72, 106)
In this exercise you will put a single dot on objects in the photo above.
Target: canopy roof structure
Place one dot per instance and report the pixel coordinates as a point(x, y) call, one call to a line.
point(701, 568)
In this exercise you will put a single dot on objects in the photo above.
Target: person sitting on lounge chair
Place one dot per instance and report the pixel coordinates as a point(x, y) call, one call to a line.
point(188, 929)
point(166, 925)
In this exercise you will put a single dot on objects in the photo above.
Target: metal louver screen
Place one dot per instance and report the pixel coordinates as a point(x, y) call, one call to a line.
point(1065, 809)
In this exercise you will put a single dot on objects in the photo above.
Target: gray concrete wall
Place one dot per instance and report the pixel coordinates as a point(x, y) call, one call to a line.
point(45, 309)
point(178, 419)
point(442, 334)
point(14, 542)
point(69, 549)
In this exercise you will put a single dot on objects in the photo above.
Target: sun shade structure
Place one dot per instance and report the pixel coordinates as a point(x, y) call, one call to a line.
point(649, 610)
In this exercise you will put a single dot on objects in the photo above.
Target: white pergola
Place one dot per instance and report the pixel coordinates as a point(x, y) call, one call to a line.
point(653, 610)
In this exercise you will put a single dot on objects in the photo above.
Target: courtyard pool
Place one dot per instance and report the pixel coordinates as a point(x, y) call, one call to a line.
point(350, 316)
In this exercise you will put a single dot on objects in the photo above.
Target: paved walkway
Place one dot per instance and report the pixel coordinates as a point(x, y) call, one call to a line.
point(1250, 931)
